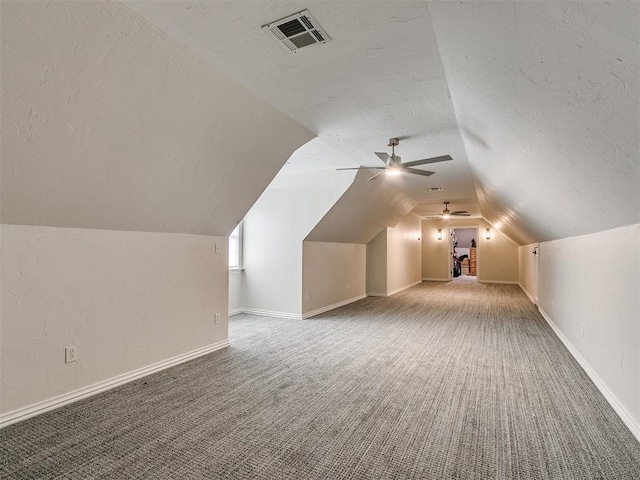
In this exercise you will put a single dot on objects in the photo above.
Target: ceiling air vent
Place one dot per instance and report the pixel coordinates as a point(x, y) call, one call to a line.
point(297, 31)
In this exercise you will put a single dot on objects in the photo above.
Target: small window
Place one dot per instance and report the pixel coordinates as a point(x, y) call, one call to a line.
point(235, 247)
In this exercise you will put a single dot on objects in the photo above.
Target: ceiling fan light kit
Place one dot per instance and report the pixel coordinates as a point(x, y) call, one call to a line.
point(394, 166)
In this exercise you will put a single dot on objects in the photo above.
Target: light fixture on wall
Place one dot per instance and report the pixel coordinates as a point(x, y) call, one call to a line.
point(487, 234)
point(439, 234)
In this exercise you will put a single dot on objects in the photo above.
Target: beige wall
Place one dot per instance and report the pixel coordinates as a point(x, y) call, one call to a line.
point(109, 123)
point(125, 299)
point(394, 258)
point(377, 265)
point(110, 128)
point(589, 288)
point(435, 253)
point(334, 274)
point(273, 236)
point(235, 292)
point(497, 257)
point(404, 254)
point(527, 271)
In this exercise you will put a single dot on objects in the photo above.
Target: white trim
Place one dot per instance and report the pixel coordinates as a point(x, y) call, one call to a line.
point(622, 412)
point(505, 282)
point(436, 280)
point(268, 313)
point(235, 311)
point(397, 290)
point(318, 311)
point(84, 392)
point(527, 293)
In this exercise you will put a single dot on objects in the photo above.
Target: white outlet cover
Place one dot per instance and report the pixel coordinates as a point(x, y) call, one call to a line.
point(70, 354)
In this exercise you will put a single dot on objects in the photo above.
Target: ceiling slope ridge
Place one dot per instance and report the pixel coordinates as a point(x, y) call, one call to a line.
point(543, 107)
point(129, 132)
point(362, 212)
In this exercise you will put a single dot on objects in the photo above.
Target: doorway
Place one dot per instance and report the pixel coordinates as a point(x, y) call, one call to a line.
point(464, 254)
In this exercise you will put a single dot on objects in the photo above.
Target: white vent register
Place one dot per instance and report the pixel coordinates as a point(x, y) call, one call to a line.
point(297, 31)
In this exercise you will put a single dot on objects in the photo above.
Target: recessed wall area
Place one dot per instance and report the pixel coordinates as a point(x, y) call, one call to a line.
point(497, 259)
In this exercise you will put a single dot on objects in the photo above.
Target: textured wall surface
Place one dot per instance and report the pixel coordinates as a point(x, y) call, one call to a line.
point(362, 212)
point(497, 257)
point(590, 288)
point(377, 264)
point(527, 270)
point(108, 123)
point(546, 96)
point(125, 299)
point(274, 231)
point(332, 273)
point(404, 253)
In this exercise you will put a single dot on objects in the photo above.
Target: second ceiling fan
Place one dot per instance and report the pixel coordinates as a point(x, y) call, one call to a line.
point(394, 166)
point(446, 213)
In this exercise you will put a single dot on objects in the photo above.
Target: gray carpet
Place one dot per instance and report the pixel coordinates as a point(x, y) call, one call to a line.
point(441, 381)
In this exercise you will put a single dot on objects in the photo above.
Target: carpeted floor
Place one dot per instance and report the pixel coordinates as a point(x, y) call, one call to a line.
point(441, 381)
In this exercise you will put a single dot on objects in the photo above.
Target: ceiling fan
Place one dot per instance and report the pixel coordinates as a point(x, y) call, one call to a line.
point(393, 165)
point(446, 213)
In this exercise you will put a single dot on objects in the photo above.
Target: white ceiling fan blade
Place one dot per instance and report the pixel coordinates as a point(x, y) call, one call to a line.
point(461, 214)
point(377, 175)
point(384, 156)
point(362, 168)
point(424, 173)
point(424, 161)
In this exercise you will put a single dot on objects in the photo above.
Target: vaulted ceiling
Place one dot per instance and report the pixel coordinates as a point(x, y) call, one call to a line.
point(109, 123)
point(538, 102)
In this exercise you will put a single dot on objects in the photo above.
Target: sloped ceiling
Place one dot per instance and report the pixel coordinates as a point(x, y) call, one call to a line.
point(109, 124)
point(380, 77)
point(538, 103)
point(543, 109)
point(363, 211)
point(547, 98)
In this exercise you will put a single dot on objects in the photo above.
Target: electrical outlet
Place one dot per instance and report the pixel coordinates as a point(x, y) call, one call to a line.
point(70, 354)
point(216, 318)
point(217, 247)
point(582, 329)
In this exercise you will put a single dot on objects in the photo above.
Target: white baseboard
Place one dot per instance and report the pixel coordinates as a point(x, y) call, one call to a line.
point(333, 306)
point(504, 282)
point(397, 290)
point(70, 397)
point(436, 280)
point(376, 294)
point(622, 412)
point(269, 313)
point(527, 293)
point(235, 311)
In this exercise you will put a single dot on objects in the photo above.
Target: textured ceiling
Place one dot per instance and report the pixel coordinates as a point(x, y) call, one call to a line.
point(537, 100)
point(381, 76)
point(363, 211)
point(108, 123)
point(547, 97)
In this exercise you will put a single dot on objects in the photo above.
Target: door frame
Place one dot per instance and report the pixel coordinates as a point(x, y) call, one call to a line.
point(475, 227)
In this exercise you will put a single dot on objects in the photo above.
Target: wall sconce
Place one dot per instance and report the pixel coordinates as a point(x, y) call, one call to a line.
point(487, 234)
point(439, 234)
